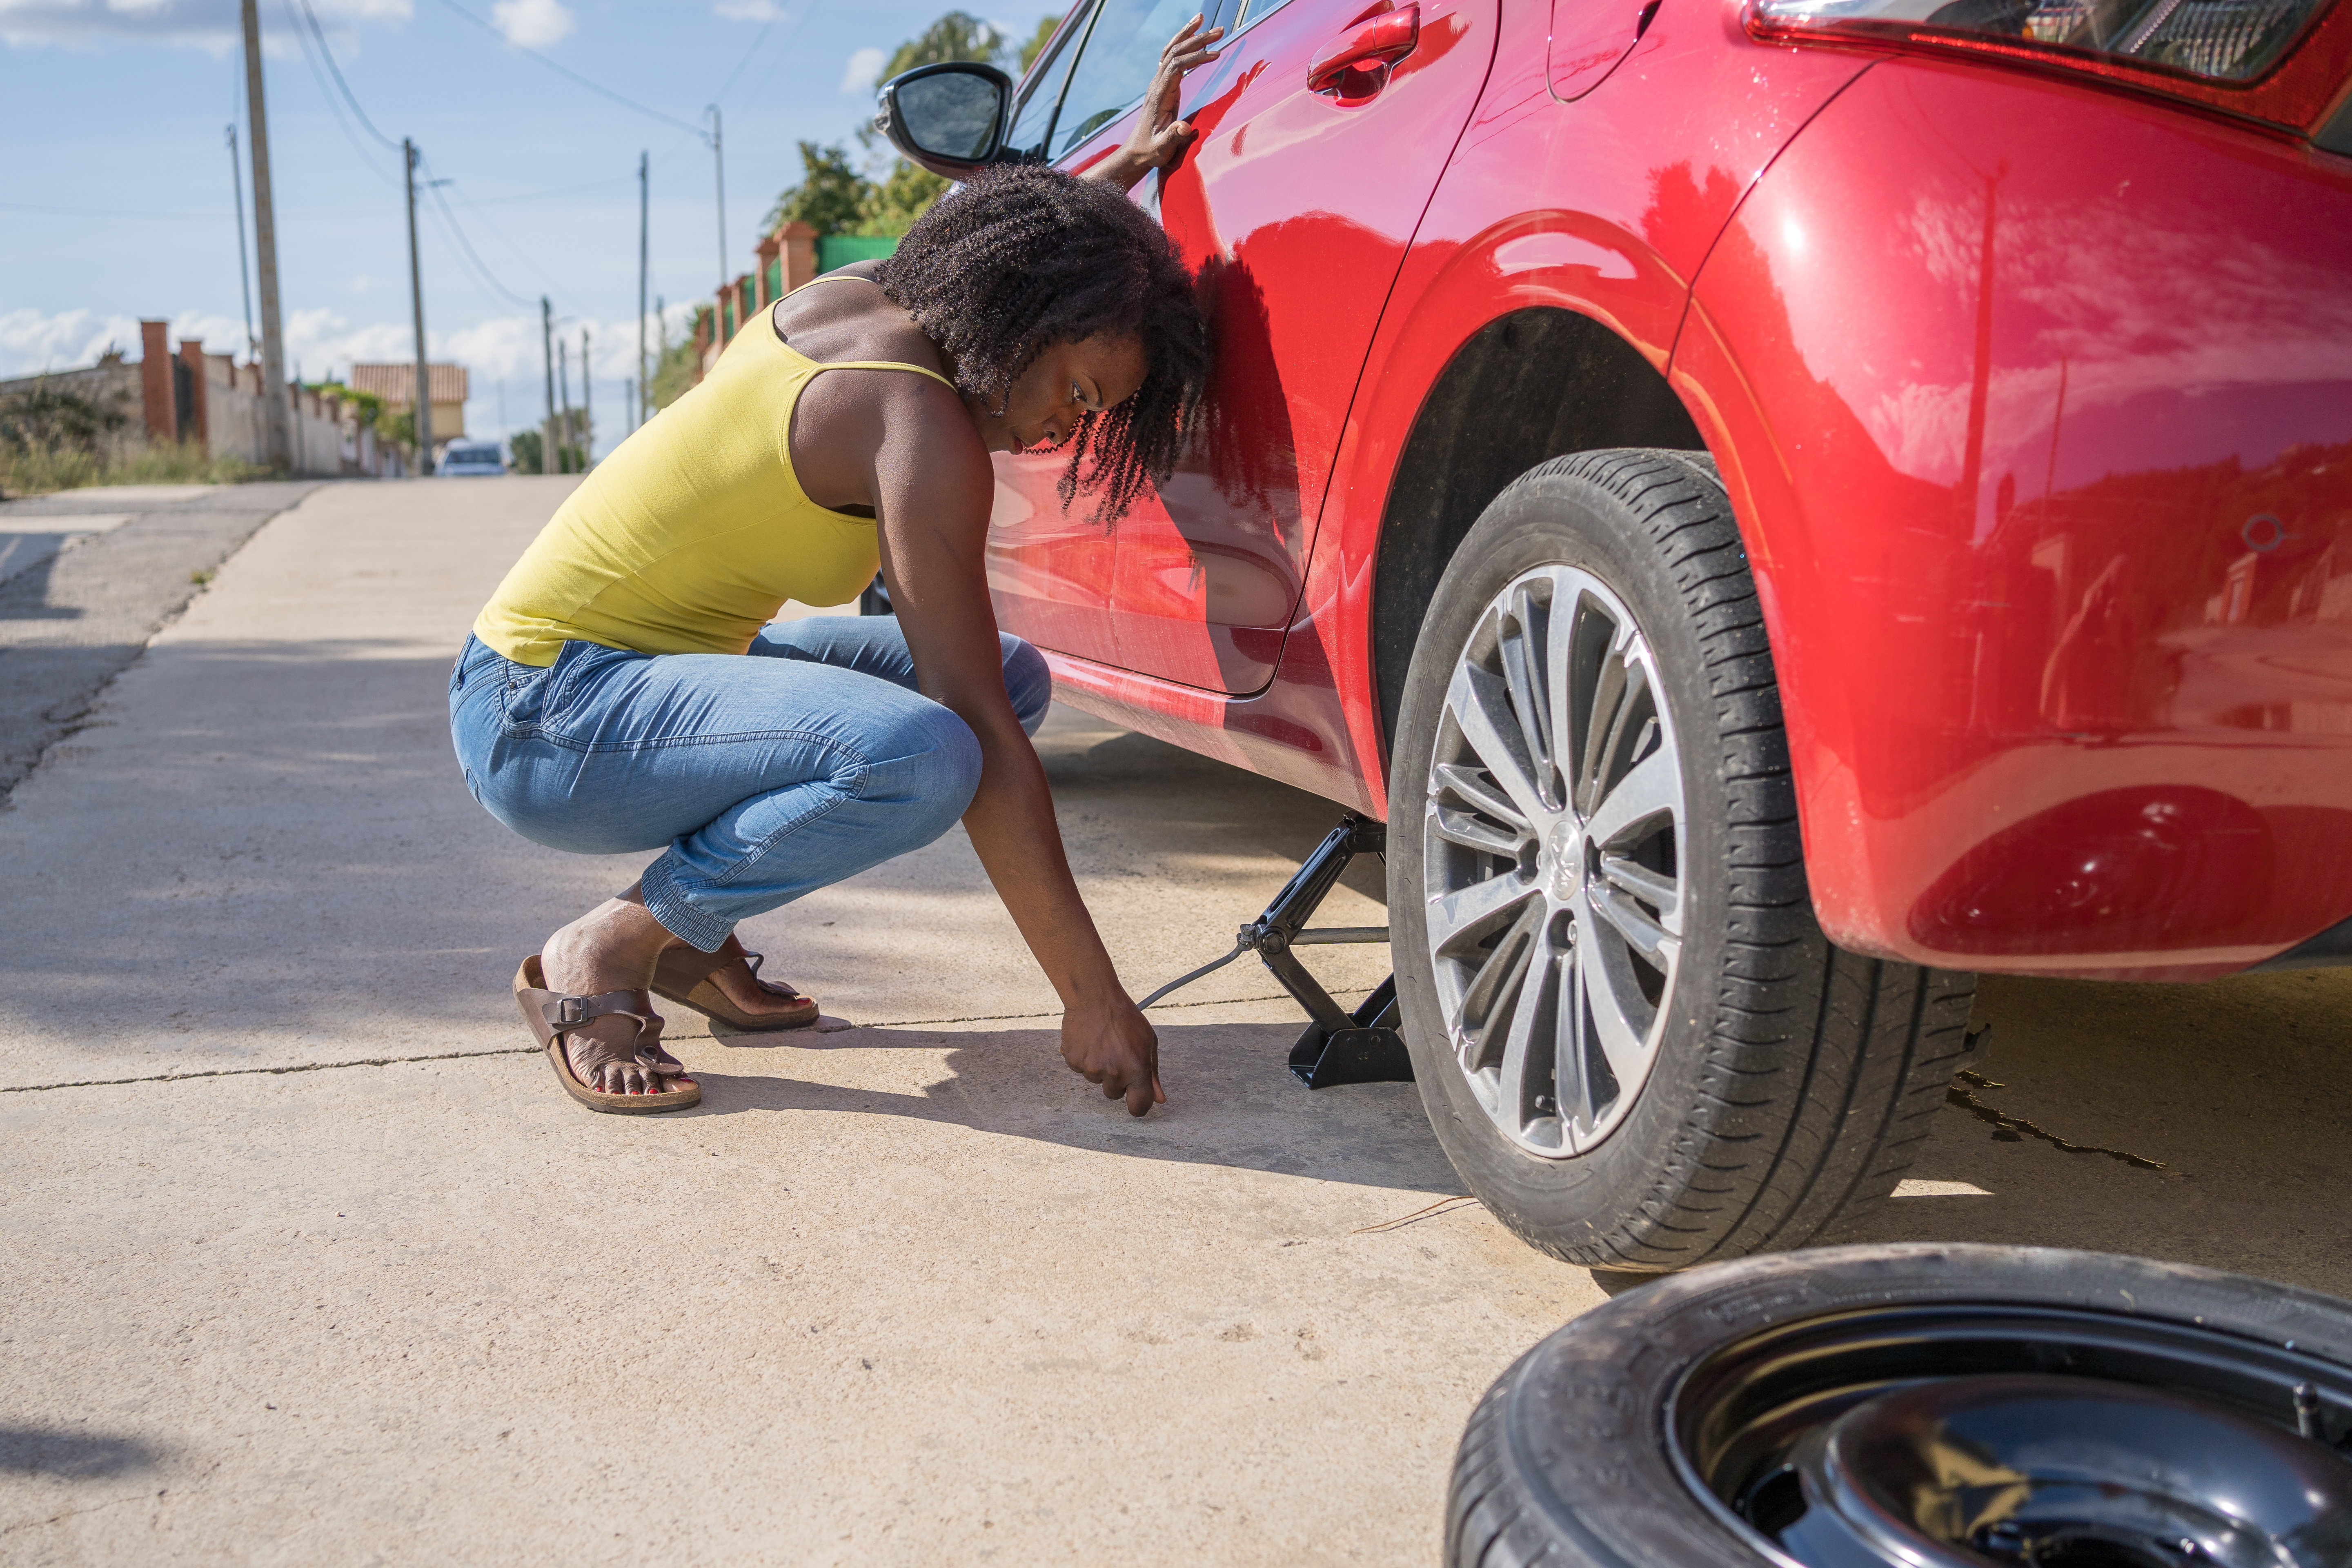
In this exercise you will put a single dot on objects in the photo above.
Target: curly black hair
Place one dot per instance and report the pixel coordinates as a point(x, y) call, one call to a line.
point(1025, 256)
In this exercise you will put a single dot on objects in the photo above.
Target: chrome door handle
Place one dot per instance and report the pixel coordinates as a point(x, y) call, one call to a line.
point(1381, 41)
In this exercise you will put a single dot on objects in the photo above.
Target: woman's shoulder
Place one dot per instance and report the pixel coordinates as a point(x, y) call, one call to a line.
point(846, 315)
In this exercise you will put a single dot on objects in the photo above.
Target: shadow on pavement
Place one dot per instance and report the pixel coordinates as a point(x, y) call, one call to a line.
point(1231, 1102)
point(73, 1456)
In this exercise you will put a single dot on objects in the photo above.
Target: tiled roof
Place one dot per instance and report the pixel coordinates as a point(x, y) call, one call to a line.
point(396, 384)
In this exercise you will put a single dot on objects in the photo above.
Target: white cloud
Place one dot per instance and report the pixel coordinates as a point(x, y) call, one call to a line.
point(748, 10)
point(865, 69)
point(209, 24)
point(533, 24)
point(31, 342)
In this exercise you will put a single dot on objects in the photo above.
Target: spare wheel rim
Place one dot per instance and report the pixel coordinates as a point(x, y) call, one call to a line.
point(1962, 1434)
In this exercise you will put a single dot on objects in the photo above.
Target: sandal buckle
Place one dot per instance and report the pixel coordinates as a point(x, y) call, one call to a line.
point(572, 1010)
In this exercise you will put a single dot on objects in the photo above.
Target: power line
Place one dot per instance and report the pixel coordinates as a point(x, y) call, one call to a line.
point(329, 55)
point(745, 59)
point(457, 232)
point(309, 59)
point(151, 213)
point(455, 229)
point(568, 72)
point(527, 260)
point(518, 199)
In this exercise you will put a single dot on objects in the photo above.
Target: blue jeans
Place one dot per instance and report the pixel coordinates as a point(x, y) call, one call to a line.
point(765, 776)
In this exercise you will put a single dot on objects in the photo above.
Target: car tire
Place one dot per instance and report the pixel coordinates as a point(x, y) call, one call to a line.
point(1684, 1422)
point(1775, 1087)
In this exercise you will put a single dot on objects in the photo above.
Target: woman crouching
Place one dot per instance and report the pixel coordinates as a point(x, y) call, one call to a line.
point(624, 689)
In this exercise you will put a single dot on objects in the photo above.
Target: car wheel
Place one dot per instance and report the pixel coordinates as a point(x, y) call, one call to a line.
point(1632, 1038)
point(1922, 1405)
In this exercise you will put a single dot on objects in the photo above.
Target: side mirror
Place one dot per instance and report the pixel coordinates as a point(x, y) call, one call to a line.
point(948, 118)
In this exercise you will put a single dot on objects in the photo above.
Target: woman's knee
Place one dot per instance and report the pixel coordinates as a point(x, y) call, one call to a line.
point(934, 764)
point(1028, 681)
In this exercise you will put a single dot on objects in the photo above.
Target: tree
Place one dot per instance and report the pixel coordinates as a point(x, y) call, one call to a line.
point(830, 197)
point(525, 447)
point(958, 35)
point(1036, 43)
point(892, 206)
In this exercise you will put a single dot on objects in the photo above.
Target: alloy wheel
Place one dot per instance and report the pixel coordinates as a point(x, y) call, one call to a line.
point(1553, 844)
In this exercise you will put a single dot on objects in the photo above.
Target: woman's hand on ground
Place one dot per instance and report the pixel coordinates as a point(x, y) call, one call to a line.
point(1117, 1048)
point(1160, 138)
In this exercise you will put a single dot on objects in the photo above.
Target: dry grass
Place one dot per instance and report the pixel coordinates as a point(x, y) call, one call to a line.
point(38, 467)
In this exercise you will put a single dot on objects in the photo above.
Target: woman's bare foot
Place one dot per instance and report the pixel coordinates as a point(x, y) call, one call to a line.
point(752, 995)
point(612, 947)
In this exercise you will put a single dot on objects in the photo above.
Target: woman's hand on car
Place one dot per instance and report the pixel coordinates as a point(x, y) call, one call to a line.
point(1160, 138)
point(1115, 1046)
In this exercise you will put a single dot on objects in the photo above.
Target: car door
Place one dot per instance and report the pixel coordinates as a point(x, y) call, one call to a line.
point(1297, 201)
point(1049, 571)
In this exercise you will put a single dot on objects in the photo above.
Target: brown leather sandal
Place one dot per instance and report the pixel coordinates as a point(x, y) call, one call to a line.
point(553, 1013)
point(684, 975)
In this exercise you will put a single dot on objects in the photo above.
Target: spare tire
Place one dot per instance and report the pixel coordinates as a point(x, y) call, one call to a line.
point(1938, 1407)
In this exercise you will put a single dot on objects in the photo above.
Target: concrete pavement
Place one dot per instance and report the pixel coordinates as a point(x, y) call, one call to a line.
point(310, 1261)
point(85, 578)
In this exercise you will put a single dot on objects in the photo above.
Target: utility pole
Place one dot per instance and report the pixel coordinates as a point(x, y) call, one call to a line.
point(563, 386)
point(547, 352)
point(645, 232)
point(719, 160)
point(243, 263)
point(277, 422)
point(424, 416)
point(587, 416)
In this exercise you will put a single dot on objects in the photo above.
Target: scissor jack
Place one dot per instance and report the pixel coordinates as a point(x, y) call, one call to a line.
point(1338, 1047)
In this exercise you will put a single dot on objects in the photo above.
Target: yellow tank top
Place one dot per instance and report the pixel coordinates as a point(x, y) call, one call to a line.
point(691, 535)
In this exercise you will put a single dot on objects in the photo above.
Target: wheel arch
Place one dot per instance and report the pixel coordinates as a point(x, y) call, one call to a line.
point(1532, 384)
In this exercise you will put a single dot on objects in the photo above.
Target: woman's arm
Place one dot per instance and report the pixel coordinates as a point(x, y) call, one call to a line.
point(933, 487)
point(1159, 137)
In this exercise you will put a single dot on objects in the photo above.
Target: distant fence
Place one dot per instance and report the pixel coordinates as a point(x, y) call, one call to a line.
point(190, 395)
point(838, 250)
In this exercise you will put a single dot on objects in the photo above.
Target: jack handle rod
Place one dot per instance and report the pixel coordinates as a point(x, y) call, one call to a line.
point(1328, 936)
point(1182, 981)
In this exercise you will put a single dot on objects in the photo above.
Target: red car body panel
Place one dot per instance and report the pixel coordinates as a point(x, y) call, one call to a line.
point(2052, 517)
point(2045, 468)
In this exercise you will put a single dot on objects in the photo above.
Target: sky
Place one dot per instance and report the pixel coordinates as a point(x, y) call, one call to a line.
point(116, 201)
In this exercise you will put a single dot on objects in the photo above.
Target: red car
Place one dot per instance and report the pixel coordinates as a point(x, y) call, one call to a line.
point(1780, 507)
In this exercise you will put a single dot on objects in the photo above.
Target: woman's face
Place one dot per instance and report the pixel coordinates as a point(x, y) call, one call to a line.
point(1064, 382)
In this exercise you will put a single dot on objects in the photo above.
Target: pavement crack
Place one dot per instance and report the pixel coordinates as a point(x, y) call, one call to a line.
point(251, 1072)
point(2001, 1120)
point(1431, 1211)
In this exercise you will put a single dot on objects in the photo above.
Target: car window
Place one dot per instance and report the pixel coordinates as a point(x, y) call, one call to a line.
point(1121, 53)
point(1252, 11)
point(1034, 116)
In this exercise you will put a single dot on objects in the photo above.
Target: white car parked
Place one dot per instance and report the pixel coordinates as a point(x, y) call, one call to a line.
point(460, 460)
